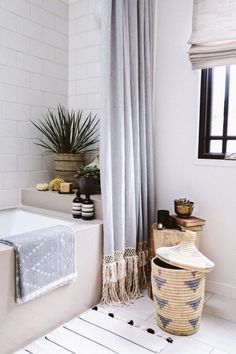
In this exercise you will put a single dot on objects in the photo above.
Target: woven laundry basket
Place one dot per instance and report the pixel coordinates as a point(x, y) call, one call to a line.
point(178, 283)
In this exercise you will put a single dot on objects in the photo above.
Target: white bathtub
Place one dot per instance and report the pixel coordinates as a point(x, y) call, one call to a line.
point(16, 221)
point(20, 324)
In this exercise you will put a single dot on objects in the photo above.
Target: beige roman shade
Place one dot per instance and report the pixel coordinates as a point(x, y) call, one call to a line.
point(213, 38)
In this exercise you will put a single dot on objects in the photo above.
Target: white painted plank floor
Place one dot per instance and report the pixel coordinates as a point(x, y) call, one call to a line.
point(96, 332)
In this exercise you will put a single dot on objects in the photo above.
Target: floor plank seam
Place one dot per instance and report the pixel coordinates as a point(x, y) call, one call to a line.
point(59, 345)
point(116, 335)
point(91, 340)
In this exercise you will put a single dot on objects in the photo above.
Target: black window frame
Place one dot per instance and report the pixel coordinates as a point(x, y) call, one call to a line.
point(205, 117)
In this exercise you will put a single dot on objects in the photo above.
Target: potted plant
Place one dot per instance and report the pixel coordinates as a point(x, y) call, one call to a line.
point(88, 180)
point(183, 207)
point(69, 136)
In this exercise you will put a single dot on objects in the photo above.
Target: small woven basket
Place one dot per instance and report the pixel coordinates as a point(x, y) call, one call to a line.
point(178, 295)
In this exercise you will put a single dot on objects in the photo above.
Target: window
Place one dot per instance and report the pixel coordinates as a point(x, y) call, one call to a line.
point(217, 132)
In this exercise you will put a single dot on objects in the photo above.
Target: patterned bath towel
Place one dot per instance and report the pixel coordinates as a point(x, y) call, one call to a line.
point(45, 260)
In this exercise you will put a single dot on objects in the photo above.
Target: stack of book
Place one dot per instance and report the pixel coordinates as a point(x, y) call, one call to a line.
point(192, 223)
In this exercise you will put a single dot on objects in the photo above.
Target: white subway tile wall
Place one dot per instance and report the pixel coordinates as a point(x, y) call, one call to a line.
point(84, 57)
point(49, 54)
point(33, 77)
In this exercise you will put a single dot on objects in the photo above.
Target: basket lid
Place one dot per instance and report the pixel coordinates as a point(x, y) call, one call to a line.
point(185, 255)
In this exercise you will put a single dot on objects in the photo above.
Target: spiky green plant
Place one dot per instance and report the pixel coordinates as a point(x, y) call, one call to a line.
point(68, 132)
point(88, 171)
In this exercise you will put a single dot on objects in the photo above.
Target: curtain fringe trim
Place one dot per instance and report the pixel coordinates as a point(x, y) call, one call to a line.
point(124, 276)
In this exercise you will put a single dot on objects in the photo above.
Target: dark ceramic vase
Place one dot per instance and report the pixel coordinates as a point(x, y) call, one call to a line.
point(88, 185)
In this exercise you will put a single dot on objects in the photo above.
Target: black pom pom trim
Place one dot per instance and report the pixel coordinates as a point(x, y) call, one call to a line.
point(131, 322)
point(95, 308)
point(169, 340)
point(111, 315)
point(150, 330)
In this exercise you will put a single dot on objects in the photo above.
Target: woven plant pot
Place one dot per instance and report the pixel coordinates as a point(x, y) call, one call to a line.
point(66, 165)
point(178, 295)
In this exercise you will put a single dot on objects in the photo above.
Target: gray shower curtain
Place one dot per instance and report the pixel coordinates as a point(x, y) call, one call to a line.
point(126, 148)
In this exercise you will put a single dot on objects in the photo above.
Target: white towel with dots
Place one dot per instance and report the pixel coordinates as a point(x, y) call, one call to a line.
point(45, 260)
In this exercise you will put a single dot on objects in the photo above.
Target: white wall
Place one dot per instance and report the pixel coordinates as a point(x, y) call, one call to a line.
point(84, 57)
point(211, 185)
point(33, 76)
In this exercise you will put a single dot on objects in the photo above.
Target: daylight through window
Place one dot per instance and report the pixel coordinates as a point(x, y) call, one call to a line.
point(217, 133)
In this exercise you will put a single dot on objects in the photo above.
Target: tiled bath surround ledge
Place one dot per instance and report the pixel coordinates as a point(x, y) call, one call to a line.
point(56, 202)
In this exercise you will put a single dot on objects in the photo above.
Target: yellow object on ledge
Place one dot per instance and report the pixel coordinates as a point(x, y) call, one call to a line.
point(54, 185)
point(65, 187)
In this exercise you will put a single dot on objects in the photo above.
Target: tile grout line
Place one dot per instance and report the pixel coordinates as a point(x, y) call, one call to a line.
point(153, 314)
point(206, 343)
point(202, 342)
point(211, 296)
point(221, 318)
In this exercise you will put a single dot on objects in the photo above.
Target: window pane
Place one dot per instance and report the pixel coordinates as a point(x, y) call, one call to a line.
point(218, 96)
point(231, 146)
point(232, 102)
point(216, 146)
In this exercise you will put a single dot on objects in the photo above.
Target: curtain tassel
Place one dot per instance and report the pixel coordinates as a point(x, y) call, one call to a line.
point(109, 293)
point(121, 276)
point(132, 278)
